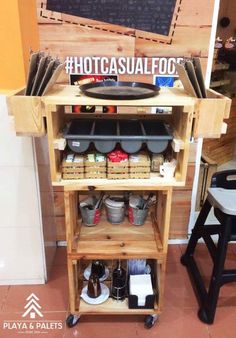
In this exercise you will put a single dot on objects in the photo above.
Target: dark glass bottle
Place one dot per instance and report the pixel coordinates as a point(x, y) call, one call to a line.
point(118, 289)
point(98, 268)
point(94, 286)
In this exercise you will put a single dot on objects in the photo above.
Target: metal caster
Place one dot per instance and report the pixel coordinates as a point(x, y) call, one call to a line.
point(150, 320)
point(72, 320)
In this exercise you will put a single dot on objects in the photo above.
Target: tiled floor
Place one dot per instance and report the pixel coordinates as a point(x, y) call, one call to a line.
point(178, 319)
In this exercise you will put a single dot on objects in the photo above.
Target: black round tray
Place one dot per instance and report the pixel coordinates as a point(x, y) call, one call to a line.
point(113, 90)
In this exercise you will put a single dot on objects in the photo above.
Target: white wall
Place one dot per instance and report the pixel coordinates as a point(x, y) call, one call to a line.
point(22, 258)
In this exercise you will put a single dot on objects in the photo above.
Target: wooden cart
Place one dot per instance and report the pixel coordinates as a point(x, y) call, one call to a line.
point(190, 117)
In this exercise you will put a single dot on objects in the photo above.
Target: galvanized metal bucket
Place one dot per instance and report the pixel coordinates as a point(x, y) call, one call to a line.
point(90, 214)
point(115, 210)
point(137, 216)
point(137, 211)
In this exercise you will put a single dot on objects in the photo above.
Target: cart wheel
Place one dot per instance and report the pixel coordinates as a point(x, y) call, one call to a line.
point(72, 320)
point(150, 320)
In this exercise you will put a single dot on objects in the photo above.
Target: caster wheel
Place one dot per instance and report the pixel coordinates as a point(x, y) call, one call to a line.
point(184, 260)
point(149, 321)
point(202, 315)
point(72, 320)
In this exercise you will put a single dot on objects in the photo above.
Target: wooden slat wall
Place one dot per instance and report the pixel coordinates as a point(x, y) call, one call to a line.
point(190, 38)
point(191, 35)
point(227, 9)
point(223, 149)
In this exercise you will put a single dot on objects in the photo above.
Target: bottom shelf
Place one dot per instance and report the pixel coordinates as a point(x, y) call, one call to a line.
point(112, 306)
point(79, 271)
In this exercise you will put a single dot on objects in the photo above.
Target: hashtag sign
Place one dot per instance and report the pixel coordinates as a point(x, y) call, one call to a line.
point(69, 64)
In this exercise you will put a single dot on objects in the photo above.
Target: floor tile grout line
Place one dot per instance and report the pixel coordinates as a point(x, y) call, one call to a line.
point(207, 328)
point(5, 298)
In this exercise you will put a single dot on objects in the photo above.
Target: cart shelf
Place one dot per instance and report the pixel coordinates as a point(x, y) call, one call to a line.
point(155, 182)
point(119, 249)
point(112, 306)
point(106, 241)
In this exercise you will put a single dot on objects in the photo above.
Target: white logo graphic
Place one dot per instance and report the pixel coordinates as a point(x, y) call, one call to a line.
point(32, 307)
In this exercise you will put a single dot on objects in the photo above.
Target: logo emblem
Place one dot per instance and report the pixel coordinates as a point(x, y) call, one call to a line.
point(32, 307)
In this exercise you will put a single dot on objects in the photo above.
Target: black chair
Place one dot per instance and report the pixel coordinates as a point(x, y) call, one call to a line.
point(222, 197)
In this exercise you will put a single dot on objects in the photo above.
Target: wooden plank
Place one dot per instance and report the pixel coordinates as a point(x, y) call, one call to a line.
point(139, 175)
point(73, 170)
point(88, 41)
point(222, 155)
point(187, 41)
point(76, 33)
point(72, 176)
point(196, 13)
point(70, 95)
point(95, 176)
point(109, 249)
point(28, 115)
point(107, 231)
point(145, 170)
point(59, 206)
point(182, 124)
point(192, 152)
point(155, 182)
point(222, 149)
point(61, 228)
point(189, 176)
point(209, 118)
point(112, 307)
point(166, 210)
point(180, 213)
point(95, 168)
point(72, 290)
point(71, 217)
point(55, 123)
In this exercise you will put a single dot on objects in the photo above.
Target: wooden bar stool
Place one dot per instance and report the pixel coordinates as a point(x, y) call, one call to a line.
point(222, 197)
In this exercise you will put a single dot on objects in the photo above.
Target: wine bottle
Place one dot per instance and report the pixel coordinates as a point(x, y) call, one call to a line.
point(118, 290)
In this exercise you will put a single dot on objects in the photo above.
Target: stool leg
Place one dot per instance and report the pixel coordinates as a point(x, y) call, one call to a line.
point(208, 309)
point(196, 234)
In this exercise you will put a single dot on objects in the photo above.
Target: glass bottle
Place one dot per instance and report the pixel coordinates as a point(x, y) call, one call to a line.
point(94, 286)
point(98, 268)
point(118, 289)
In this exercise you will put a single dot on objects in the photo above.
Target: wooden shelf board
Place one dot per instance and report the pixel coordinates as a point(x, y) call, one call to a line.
point(112, 306)
point(70, 95)
point(109, 249)
point(118, 232)
point(109, 241)
point(155, 182)
point(220, 66)
point(219, 83)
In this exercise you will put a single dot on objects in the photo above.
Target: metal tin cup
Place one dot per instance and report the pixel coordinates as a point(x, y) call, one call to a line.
point(115, 210)
point(90, 217)
point(138, 210)
point(137, 216)
point(90, 214)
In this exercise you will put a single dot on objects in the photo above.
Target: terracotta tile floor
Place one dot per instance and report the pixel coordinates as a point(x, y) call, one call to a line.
point(178, 319)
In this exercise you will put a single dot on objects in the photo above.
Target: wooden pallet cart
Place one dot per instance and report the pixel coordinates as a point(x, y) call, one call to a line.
point(190, 117)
